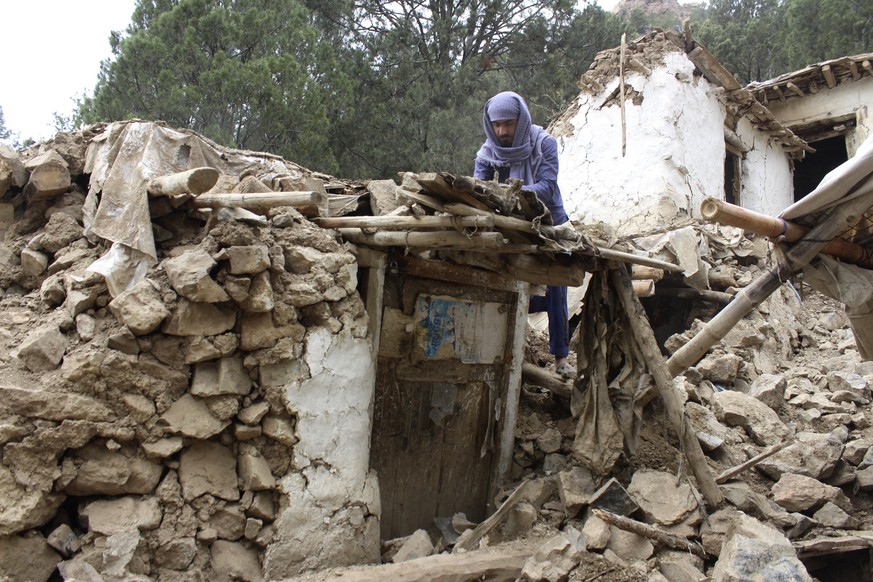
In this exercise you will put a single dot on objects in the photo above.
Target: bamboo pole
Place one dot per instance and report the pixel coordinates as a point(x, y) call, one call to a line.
point(621, 94)
point(642, 330)
point(841, 218)
point(259, 200)
point(433, 240)
point(403, 222)
point(649, 531)
point(732, 215)
point(196, 181)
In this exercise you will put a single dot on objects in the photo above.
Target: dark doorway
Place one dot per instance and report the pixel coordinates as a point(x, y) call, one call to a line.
point(809, 171)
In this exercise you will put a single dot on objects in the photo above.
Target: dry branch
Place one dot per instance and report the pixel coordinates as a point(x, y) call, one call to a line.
point(651, 532)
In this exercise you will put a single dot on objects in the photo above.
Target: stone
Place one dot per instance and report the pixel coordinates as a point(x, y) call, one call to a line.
point(802, 493)
point(224, 376)
point(246, 260)
point(628, 545)
point(769, 389)
point(43, 349)
point(754, 551)
point(259, 330)
point(119, 551)
point(233, 562)
point(190, 416)
point(189, 275)
point(854, 451)
point(280, 430)
point(259, 298)
point(254, 413)
point(575, 487)
point(756, 418)
point(714, 528)
point(253, 528)
point(33, 263)
point(662, 498)
point(119, 514)
point(61, 230)
point(520, 521)
point(58, 406)
point(199, 319)
point(208, 467)
point(596, 532)
point(554, 559)
point(86, 327)
point(78, 570)
point(124, 341)
point(52, 291)
point(140, 308)
point(301, 259)
point(832, 516)
point(849, 381)
point(228, 522)
point(614, 498)
point(417, 545)
point(843, 474)
point(254, 473)
point(680, 567)
point(176, 554)
point(23, 507)
point(262, 506)
point(550, 440)
point(741, 495)
point(720, 368)
point(26, 558)
point(812, 454)
point(163, 448)
point(105, 472)
point(864, 479)
point(64, 540)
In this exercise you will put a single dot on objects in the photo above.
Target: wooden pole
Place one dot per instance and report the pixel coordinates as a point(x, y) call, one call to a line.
point(732, 215)
point(734, 471)
point(716, 297)
point(196, 181)
point(542, 377)
point(430, 240)
point(259, 200)
point(406, 222)
point(644, 287)
point(639, 322)
point(649, 531)
point(841, 218)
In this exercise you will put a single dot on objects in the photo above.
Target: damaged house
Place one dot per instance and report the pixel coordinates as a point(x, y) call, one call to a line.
point(219, 365)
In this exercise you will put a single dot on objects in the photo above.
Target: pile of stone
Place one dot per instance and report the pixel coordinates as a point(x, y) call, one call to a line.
point(788, 380)
point(209, 422)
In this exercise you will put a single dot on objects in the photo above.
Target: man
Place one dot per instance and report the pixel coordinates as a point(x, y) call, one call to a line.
point(515, 148)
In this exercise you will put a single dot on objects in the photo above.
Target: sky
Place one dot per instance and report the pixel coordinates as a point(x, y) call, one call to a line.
point(53, 50)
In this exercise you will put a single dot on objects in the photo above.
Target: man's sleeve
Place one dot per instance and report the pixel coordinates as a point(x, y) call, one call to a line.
point(483, 171)
point(546, 185)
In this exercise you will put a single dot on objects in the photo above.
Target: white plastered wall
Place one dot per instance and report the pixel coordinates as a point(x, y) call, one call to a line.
point(842, 100)
point(674, 156)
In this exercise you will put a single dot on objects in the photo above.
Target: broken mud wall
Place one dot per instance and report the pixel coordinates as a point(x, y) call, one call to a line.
point(767, 180)
point(214, 418)
point(675, 145)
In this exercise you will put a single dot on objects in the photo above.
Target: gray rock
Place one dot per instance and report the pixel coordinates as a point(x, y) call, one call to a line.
point(758, 420)
point(628, 545)
point(234, 562)
point(208, 467)
point(662, 498)
point(614, 498)
point(802, 493)
point(720, 368)
point(140, 308)
point(43, 349)
point(754, 551)
point(189, 275)
point(769, 389)
point(575, 487)
point(418, 545)
point(813, 454)
point(555, 558)
point(198, 319)
point(26, 557)
point(832, 516)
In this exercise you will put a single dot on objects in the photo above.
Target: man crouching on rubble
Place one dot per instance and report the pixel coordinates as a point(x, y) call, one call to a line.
point(515, 148)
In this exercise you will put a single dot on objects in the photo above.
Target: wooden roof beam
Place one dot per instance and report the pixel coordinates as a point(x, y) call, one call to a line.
point(853, 69)
point(867, 67)
point(794, 89)
point(828, 74)
point(778, 92)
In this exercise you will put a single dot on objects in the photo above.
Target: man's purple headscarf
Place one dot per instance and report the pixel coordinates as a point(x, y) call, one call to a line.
point(526, 152)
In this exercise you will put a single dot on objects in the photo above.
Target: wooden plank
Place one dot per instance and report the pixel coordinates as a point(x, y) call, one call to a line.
point(509, 414)
point(712, 69)
point(429, 240)
point(471, 541)
point(417, 267)
point(436, 184)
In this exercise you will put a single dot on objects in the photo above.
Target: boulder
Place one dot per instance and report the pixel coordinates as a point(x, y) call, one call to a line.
point(759, 421)
point(575, 487)
point(769, 389)
point(755, 551)
point(189, 275)
point(830, 515)
point(802, 493)
point(554, 559)
point(812, 454)
point(663, 498)
point(26, 557)
point(43, 349)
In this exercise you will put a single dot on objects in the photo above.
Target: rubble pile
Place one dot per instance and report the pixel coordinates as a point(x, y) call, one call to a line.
point(197, 425)
point(787, 379)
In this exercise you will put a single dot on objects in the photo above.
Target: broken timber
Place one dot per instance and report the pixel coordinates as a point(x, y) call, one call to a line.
point(734, 471)
point(196, 181)
point(649, 531)
point(305, 199)
point(636, 314)
point(841, 218)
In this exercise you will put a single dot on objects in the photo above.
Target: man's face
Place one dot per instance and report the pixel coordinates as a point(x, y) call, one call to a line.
point(505, 131)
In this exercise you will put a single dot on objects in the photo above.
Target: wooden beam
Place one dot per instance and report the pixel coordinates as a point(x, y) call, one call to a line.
point(460, 274)
point(828, 74)
point(867, 67)
point(649, 531)
point(795, 89)
point(853, 69)
point(734, 471)
point(645, 337)
point(196, 181)
point(712, 69)
point(436, 184)
point(259, 200)
point(429, 240)
point(533, 374)
point(471, 542)
point(405, 222)
point(778, 92)
point(638, 66)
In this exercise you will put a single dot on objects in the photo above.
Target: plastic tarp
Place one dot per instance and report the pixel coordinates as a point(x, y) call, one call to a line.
point(121, 160)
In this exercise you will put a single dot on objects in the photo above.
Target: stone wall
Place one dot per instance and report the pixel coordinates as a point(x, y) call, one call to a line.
point(211, 422)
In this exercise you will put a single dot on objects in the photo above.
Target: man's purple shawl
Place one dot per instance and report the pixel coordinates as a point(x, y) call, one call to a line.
point(526, 152)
